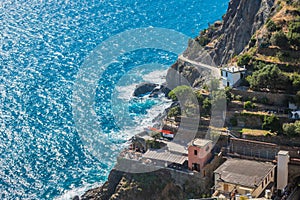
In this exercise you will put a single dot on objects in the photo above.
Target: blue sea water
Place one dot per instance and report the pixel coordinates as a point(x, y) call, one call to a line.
point(43, 44)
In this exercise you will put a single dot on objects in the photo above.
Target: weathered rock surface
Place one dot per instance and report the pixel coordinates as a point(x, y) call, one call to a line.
point(242, 19)
point(182, 73)
point(144, 88)
point(155, 185)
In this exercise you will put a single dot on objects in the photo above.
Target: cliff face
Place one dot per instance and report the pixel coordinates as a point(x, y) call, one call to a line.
point(157, 185)
point(242, 19)
point(222, 40)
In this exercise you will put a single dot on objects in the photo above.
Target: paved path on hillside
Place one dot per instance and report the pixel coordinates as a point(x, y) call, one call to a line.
point(201, 65)
point(215, 71)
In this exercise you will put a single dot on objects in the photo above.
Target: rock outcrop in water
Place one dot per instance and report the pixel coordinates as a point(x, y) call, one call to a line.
point(223, 40)
point(144, 88)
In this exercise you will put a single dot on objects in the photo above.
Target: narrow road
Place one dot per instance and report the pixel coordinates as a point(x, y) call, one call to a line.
point(201, 65)
point(215, 71)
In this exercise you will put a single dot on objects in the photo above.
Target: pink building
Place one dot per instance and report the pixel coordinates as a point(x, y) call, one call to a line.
point(199, 152)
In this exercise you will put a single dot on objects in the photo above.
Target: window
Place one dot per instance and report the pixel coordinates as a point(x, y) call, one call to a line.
point(271, 174)
point(262, 185)
point(225, 187)
point(226, 74)
point(195, 152)
point(207, 148)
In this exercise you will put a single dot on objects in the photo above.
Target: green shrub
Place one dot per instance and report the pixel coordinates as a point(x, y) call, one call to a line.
point(271, 26)
point(214, 84)
point(218, 99)
point(249, 105)
point(174, 111)
point(279, 39)
point(271, 123)
point(153, 144)
point(295, 79)
point(199, 97)
point(203, 40)
point(252, 42)
point(283, 56)
point(229, 95)
point(294, 33)
point(238, 97)
point(294, 27)
point(291, 129)
point(244, 59)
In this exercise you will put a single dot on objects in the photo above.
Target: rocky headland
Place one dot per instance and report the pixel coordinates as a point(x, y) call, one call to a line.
point(215, 46)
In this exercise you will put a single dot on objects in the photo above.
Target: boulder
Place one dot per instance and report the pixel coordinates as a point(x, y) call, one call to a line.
point(144, 88)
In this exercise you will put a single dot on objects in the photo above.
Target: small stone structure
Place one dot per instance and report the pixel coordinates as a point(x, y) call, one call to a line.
point(199, 152)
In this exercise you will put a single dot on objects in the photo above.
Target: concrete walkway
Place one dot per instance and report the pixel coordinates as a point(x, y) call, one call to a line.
point(215, 70)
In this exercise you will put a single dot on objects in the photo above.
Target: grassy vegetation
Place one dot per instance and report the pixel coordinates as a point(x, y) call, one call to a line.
point(255, 132)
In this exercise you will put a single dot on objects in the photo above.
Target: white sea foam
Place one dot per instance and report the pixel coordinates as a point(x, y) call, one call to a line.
point(125, 92)
point(157, 76)
point(70, 194)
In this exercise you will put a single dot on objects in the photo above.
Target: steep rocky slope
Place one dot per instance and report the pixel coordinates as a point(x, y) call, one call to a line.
point(217, 44)
point(242, 19)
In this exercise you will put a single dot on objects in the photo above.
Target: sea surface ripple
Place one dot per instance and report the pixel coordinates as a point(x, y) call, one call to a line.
point(42, 46)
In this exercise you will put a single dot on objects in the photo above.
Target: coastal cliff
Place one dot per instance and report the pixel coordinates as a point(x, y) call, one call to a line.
point(162, 184)
point(223, 40)
point(214, 46)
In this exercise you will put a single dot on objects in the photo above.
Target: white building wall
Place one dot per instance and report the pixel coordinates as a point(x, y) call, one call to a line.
point(232, 78)
point(282, 169)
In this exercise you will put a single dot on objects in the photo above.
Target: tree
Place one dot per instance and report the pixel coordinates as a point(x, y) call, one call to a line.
point(203, 40)
point(228, 94)
point(174, 111)
point(199, 97)
point(244, 60)
point(214, 84)
point(218, 101)
point(271, 123)
point(295, 79)
point(294, 33)
point(206, 107)
point(270, 77)
point(180, 92)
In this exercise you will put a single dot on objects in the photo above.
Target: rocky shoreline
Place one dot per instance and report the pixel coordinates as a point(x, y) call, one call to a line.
point(226, 38)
